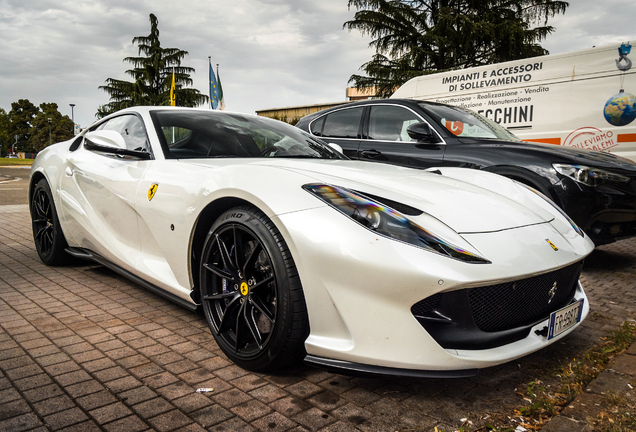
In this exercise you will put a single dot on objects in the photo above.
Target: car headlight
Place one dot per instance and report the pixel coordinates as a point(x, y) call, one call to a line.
point(588, 176)
point(387, 222)
point(576, 228)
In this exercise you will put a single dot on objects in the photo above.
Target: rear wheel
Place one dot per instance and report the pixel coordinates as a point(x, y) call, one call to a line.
point(47, 232)
point(251, 293)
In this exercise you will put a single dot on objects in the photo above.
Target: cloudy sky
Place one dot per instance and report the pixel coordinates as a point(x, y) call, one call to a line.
point(272, 53)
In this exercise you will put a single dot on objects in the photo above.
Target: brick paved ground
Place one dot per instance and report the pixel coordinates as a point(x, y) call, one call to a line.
point(83, 349)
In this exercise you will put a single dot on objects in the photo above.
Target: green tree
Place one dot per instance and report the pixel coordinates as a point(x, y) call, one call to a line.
point(152, 74)
point(5, 136)
point(416, 37)
point(20, 121)
point(61, 127)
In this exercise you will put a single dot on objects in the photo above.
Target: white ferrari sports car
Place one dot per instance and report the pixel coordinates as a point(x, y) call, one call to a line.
point(295, 252)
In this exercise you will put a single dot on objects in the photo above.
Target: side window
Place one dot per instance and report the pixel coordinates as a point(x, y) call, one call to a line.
point(316, 126)
point(131, 128)
point(343, 123)
point(389, 123)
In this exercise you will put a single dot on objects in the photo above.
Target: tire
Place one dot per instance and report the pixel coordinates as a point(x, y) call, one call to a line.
point(251, 293)
point(47, 232)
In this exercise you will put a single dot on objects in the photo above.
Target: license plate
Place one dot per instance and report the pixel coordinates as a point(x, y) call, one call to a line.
point(565, 318)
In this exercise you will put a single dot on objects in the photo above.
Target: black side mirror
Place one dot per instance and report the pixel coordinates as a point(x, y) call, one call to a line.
point(422, 132)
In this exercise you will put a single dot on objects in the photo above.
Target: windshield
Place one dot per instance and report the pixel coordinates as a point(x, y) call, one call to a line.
point(465, 123)
point(188, 134)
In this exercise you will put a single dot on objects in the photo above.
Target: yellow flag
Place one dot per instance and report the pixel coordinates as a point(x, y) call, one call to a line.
point(173, 94)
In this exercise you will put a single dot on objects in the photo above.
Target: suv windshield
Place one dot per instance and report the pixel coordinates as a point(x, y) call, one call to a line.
point(187, 134)
point(465, 123)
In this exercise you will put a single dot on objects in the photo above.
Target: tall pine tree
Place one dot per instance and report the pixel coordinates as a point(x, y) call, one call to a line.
point(416, 37)
point(152, 75)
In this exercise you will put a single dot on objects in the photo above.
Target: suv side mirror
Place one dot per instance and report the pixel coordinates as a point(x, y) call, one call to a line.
point(422, 132)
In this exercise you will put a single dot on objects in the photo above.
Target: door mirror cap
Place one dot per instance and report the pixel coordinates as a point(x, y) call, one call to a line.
point(336, 147)
point(106, 138)
point(422, 132)
point(112, 142)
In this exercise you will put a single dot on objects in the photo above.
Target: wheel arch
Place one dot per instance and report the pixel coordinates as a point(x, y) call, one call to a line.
point(206, 218)
point(35, 178)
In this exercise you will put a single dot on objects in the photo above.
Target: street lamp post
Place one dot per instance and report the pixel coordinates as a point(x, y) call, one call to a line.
point(73, 118)
point(50, 140)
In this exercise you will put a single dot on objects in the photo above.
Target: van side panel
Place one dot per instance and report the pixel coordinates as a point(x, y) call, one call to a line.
point(581, 99)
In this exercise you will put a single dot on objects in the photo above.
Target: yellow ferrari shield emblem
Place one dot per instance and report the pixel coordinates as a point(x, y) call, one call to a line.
point(552, 244)
point(152, 190)
point(244, 289)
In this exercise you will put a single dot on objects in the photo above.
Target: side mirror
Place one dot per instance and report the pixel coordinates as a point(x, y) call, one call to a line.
point(422, 132)
point(106, 138)
point(111, 142)
point(336, 147)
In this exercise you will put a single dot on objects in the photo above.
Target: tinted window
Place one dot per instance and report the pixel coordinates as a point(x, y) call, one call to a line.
point(465, 123)
point(211, 134)
point(316, 127)
point(389, 123)
point(131, 128)
point(343, 123)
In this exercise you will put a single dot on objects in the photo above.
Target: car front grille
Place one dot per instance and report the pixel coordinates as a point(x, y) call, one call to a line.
point(511, 304)
point(490, 315)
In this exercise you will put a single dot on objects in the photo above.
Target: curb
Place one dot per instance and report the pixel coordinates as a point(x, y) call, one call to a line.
point(585, 408)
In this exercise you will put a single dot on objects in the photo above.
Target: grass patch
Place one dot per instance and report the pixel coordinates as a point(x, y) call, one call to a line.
point(573, 378)
point(545, 401)
point(15, 162)
point(620, 416)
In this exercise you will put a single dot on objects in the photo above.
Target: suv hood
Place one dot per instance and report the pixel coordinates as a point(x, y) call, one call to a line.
point(563, 154)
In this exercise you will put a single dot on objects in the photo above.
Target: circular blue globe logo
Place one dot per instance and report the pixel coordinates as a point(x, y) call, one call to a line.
point(620, 109)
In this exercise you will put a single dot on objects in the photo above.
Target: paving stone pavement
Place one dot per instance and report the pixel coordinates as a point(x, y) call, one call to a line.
point(83, 349)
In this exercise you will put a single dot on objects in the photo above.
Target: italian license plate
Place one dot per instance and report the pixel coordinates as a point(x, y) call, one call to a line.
point(565, 318)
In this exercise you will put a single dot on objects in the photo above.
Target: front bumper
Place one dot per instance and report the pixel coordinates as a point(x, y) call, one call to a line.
point(606, 213)
point(360, 287)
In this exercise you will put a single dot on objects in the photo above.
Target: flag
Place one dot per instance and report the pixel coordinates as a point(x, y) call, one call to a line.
point(214, 95)
point(221, 100)
point(173, 93)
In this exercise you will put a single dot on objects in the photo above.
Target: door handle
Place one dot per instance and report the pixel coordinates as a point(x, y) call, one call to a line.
point(68, 171)
point(370, 153)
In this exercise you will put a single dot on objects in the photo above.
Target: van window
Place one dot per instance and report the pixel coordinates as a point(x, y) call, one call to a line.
point(389, 123)
point(343, 123)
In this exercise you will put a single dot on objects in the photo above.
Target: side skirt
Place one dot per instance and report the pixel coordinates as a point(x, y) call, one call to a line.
point(358, 369)
point(88, 255)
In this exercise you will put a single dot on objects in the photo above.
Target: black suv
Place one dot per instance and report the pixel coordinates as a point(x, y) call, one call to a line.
point(596, 189)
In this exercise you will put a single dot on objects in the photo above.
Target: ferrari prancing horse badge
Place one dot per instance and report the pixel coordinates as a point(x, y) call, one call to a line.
point(152, 190)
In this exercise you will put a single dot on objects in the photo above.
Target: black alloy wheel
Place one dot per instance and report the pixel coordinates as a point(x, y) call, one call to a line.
point(47, 233)
point(251, 293)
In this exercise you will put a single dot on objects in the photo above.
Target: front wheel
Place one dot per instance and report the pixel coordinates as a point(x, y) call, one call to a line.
point(47, 232)
point(251, 293)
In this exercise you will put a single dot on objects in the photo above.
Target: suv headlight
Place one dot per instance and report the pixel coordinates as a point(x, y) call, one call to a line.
point(387, 222)
point(588, 176)
point(576, 228)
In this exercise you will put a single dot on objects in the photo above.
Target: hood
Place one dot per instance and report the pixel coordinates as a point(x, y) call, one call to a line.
point(564, 154)
point(464, 207)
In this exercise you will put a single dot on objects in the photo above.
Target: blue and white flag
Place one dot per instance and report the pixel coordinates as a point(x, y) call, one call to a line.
point(214, 89)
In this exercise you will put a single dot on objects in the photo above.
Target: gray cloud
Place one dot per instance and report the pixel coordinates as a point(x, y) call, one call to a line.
point(272, 53)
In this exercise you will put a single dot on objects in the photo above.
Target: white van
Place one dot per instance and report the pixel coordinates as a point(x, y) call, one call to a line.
point(583, 99)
